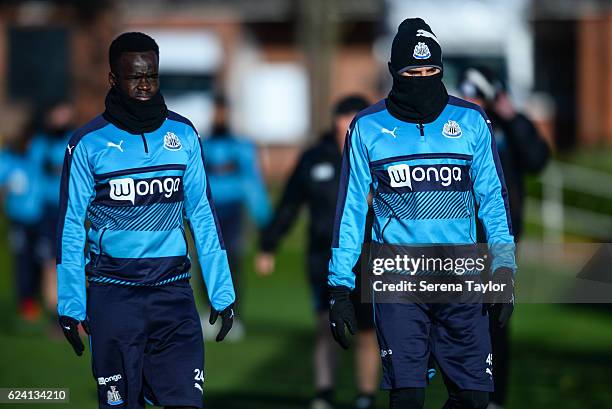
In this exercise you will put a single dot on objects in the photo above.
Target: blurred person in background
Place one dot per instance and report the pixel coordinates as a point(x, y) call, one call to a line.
point(394, 146)
point(522, 151)
point(235, 179)
point(52, 139)
point(136, 173)
point(314, 183)
point(22, 184)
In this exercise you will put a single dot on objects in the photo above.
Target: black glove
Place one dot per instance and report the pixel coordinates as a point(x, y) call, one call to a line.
point(341, 312)
point(227, 320)
point(502, 303)
point(70, 326)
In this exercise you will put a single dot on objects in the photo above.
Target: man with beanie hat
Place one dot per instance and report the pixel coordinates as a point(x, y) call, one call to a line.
point(418, 94)
point(431, 162)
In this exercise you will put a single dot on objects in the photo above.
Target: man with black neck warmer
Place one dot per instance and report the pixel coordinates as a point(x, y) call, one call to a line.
point(418, 94)
point(401, 148)
point(136, 174)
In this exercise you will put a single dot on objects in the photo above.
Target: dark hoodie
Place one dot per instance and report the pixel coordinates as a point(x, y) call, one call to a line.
point(314, 183)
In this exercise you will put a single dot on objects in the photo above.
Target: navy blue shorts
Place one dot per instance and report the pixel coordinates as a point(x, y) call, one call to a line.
point(456, 334)
point(146, 345)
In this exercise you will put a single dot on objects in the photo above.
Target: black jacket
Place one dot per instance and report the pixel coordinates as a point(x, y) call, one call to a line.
point(314, 183)
point(521, 151)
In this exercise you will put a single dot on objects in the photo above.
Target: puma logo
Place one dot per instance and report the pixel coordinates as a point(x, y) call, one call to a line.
point(392, 133)
point(114, 145)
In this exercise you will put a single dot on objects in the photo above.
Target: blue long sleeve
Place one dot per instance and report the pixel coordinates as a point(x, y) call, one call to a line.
point(206, 231)
point(77, 190)
point(445, 175)
point(136, 190)
point(492, 199)
point(5, 167)
point(351, 210)
point(256, 194)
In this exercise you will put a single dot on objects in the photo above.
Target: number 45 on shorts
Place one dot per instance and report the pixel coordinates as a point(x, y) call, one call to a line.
point(489, 368)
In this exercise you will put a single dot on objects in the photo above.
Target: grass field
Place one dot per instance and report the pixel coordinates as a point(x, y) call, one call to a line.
point(562, 355)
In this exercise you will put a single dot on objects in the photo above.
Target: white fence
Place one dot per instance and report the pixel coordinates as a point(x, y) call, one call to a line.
point(558, 219)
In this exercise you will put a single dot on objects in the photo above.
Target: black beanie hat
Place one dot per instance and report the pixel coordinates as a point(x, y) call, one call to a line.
point(480, 82)
point(414, 46)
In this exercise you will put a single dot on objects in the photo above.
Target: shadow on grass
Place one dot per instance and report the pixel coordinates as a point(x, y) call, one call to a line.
point(285, 380)
point(564, 378)
point(255, 401)
point(282, 381)
point(544, 377)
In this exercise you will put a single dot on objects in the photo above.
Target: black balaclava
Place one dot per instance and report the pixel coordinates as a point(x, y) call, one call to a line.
point(123, 111)
point(416, 99)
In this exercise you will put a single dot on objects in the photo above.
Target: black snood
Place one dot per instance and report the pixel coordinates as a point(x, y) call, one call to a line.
point(133, 115)
point(417, 99)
